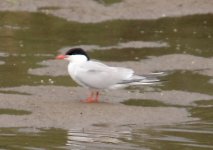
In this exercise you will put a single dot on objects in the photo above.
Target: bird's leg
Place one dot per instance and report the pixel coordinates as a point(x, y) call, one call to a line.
point(91, 98)
point(97, 96)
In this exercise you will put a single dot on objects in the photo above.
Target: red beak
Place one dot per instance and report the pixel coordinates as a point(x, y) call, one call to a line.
point(60, 57)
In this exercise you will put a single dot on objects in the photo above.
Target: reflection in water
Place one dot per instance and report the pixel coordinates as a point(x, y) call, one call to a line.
point(191, 136)
point(104, 138)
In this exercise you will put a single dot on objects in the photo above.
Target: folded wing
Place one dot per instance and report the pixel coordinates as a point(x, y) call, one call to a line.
point(98, 75)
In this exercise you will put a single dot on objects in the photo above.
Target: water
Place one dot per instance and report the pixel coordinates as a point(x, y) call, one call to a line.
point(188, 136)
point(29, 38)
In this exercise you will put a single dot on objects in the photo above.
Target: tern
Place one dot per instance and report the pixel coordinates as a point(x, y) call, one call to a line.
point(97, 76)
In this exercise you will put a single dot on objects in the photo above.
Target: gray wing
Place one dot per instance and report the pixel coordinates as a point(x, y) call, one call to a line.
point(97, 75)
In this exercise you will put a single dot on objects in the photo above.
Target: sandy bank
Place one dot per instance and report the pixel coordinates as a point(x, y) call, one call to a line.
point(91, 11)
point(54, 106)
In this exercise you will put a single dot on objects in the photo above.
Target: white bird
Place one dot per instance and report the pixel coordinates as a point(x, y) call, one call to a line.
point(96, 75)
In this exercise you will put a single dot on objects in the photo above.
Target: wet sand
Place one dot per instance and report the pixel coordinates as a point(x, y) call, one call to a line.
point(55, 106)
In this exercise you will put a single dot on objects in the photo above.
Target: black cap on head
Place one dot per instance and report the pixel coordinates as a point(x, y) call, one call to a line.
point(77, 51)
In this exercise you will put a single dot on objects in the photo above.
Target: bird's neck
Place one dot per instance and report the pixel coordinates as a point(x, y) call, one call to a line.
point(78, 59)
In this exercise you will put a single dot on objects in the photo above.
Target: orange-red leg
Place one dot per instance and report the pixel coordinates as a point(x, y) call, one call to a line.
point(91, 98)
point(97, 96)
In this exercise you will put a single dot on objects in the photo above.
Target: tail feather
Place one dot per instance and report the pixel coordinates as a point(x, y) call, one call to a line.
point(148, 79)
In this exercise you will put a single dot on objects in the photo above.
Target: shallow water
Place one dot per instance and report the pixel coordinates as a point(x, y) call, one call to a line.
point(188, 136)
point(29, 38)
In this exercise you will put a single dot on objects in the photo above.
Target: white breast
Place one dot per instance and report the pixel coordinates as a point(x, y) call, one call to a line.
point(72, 70)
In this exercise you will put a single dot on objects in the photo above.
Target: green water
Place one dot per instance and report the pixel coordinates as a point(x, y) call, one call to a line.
point(13, 112)
point(29, 38)
point(108, 2)
point(145, 103)
point(30, 138)
point(189, 81)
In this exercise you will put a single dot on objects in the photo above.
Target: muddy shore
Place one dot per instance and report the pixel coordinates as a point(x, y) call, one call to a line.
point(60, 107)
